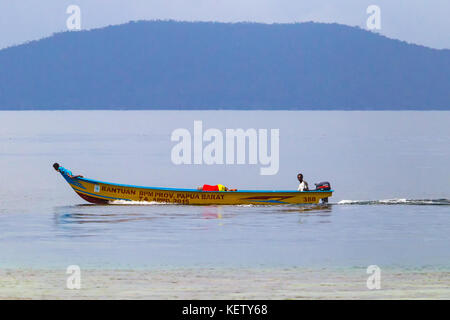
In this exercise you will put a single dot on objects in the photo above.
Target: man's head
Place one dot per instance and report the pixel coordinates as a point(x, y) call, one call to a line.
point(300, 177)
point(56, 166)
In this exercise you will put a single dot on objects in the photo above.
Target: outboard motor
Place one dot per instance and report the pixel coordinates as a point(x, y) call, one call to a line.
point(323, 186)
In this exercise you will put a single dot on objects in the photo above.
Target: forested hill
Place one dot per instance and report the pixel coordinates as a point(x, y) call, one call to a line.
point(168, 64)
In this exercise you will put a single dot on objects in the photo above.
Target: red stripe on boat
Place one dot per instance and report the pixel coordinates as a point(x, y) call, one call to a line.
point(92, 199)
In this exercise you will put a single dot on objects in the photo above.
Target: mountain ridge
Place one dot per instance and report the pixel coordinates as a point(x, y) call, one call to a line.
point(213, 65)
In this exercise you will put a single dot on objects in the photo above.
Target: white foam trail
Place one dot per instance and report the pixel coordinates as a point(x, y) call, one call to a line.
point(349, 201)
point(397, 201)
point(393, 201)
point(400, 201)
point(383, 201)
point(127, 202)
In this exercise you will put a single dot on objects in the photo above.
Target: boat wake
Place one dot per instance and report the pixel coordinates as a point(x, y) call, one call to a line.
point(139, 203)
point(415, 202)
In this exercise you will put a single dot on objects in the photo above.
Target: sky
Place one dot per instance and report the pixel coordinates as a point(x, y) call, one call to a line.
point(424, 22)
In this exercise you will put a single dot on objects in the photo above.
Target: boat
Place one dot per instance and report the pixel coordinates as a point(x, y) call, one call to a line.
point(100, 192)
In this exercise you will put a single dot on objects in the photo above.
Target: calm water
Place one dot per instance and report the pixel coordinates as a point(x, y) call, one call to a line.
point(389, 169)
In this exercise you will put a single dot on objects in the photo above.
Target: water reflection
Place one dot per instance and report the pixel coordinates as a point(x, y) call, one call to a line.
point(319, 209)
point(67, 217)
point(212, 212)
point(111, 214)
point(136, 221)
point(308, 212)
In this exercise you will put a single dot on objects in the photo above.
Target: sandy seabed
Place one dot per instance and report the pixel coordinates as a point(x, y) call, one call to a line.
point(224, 283)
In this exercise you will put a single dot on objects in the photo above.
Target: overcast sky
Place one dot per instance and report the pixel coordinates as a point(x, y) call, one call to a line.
point(425, 22)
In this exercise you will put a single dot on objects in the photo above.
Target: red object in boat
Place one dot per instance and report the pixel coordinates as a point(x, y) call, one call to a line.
point(207, 187)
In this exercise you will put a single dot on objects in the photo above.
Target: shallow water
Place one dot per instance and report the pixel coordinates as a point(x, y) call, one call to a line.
point(224, 283)
point(389, 170)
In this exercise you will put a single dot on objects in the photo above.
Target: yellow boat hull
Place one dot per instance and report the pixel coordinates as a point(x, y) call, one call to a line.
point(104, 193)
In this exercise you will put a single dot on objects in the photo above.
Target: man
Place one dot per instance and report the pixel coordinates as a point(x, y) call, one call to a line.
point(218, 187)
point(303, 186)
point(65, 172)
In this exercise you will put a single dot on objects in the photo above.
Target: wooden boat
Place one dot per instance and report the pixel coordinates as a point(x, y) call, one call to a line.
point(105, 193)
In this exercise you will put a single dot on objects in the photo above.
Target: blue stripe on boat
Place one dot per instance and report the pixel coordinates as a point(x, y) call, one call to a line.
point(73, 181)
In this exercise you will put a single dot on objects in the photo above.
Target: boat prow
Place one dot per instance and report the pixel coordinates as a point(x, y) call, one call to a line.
point(100, 192)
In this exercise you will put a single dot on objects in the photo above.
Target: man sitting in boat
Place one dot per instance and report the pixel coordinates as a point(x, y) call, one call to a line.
point(303, 186)
point(65, 171)
point(217, 187)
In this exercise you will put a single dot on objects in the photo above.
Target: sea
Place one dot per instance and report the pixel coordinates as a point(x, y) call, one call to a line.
point(389, 169)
